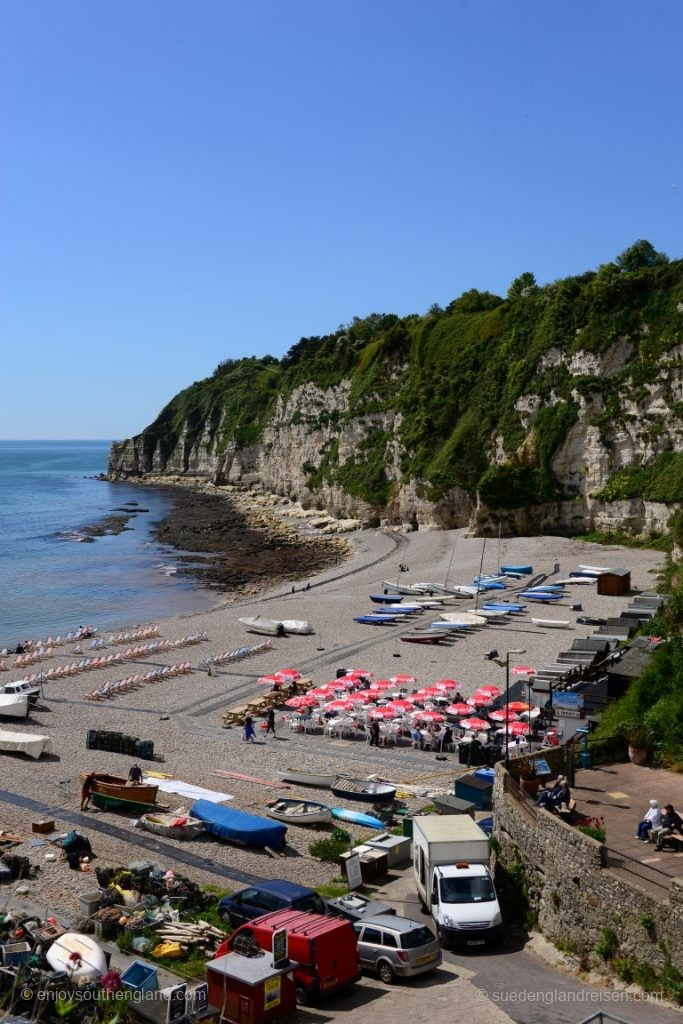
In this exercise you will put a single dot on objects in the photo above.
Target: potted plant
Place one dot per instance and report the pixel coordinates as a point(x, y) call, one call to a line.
point(528, 778)
point(639, 738)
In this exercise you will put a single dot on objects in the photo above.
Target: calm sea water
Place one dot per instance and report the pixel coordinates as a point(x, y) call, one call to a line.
point(50, 584)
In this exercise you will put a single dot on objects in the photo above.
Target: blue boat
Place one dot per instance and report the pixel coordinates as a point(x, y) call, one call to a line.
point(522, 570)
point(501, 606)
point(386, 598)
point(489, 585)
point(357, 818)
point(543, 597)
point(377, 620)
point(545, 588)
point(238, 826)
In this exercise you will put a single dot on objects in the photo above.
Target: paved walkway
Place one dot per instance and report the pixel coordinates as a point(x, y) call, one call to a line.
point(620, 793)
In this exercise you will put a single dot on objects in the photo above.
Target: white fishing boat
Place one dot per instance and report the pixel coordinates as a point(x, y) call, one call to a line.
point(551, 623)
point(321, 780)
point(396, 588)
point(30, 743)
point(583, 580)
point(298, 812)
point(298, 626)
point(13, 705)
point(275, 627)
point(595, 568)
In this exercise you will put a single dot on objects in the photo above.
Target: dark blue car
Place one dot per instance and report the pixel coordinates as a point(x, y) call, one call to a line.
point(266, 897)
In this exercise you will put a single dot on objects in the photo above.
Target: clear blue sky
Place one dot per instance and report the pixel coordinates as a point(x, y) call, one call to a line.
point(187, 182)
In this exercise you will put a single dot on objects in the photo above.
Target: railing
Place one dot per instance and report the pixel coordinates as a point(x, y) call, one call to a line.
point(603, 1018)
point(629, 865)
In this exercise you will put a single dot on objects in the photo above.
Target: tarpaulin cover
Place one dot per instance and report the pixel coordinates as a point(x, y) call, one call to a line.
point(238, 826)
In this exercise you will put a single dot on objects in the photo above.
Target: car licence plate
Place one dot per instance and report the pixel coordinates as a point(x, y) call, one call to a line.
point(476, 942)
point(424, 959)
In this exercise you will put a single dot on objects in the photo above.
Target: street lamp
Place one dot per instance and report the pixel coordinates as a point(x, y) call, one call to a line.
point(505, 663)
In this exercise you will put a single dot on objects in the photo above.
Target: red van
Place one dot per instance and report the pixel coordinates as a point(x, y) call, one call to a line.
point(324, 949)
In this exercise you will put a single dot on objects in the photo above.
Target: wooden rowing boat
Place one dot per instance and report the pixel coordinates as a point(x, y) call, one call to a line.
point(298, 812)
point(110, 791)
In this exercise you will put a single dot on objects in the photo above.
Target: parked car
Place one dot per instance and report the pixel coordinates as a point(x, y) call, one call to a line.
point(266, 898)
point(324, 949)
point(355, 907)
point(396, 946)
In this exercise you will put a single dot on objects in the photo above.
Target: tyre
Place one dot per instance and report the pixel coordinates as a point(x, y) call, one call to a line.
point(385, 972)
point(301, 995)
point(423, 906)
point(443, 938)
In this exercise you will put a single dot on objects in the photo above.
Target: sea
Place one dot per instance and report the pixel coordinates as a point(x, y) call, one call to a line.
point(50, 583)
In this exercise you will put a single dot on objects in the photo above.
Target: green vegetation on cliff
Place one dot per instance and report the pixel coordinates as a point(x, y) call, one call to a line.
point(451, 381)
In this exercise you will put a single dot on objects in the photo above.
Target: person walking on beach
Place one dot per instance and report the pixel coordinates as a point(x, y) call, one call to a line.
point(249, 733)
point(86, 791)
point(374, 733)
point(270, 721)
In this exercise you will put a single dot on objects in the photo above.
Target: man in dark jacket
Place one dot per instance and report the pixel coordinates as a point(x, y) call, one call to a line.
point(671, 822)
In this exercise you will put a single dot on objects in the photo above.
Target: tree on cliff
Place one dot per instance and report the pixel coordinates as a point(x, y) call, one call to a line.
point(640, 255)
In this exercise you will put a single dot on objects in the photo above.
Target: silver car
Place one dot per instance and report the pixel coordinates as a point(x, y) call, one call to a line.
point(396, 946)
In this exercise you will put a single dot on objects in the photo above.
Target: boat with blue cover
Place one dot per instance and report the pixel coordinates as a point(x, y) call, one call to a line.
point(501, 606)
point(238, 826)
point(522, 570)
point(542, 597)
point(377, 620)
point(357, 818)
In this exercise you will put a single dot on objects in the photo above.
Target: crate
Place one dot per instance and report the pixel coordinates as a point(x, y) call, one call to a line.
point(15, 953)
point(140, 977)
point(46, 825)
point(89, 902)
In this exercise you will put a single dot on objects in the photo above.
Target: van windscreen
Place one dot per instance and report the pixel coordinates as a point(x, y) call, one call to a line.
point(467, 890)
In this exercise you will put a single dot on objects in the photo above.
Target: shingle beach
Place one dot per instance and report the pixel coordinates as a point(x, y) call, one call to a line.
point(183, 715)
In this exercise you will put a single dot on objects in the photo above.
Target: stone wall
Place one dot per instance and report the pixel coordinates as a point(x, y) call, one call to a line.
point(572, 891)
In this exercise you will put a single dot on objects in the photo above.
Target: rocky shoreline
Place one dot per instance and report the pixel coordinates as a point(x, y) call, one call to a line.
point(232, 544)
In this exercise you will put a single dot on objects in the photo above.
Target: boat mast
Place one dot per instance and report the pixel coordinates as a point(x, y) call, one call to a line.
point(481, 569)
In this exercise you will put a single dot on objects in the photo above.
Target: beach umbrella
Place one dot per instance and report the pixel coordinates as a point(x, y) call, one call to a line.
point(459, 709)
point(431, 716)
point(476, 724)
point(532, 713)
point(402, 679)
point(519, 728)
point(319, 691)
point(446, 684)
point(503, 716)
point(517, 705)
point(288, 673)
point(478, 700)
point(269, 681)
point(488, 690)
point(348, 680)
point(382, 684)
point(426, 691)
point(301, 702)
point(366, 695)
point(400, 705)
point(523, 670)
point(339, 705)
point(384, 712)
point(360, 672)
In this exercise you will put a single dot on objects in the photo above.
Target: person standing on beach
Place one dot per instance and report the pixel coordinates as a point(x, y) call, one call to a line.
point(270, 722)
point(374, 733)
point(249, 733)
point(86, 791)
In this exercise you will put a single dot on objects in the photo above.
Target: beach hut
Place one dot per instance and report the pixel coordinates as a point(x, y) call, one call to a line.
point(614, 583)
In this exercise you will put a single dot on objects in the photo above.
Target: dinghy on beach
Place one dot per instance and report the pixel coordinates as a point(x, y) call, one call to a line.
point(171, 826)
point(551, 623)
point(298, 812)
point(321, 780)
point(364, 790)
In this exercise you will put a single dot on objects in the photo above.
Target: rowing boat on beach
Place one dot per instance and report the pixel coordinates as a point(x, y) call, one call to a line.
point(171, 826)
point(111, 791)
point(320, 780)
point(299, 812)
point(551, 623)
point(276, 627)
point(364, 790)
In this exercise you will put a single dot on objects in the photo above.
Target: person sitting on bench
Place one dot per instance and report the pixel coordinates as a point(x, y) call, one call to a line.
point(671, 822)
point(559, 794)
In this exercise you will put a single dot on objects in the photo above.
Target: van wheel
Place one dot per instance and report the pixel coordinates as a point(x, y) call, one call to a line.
point(385, 972)
point(423, 906)
point(442, 938)
point(301, 995)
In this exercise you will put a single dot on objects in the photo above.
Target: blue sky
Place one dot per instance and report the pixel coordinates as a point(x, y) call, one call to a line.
point(183, 183)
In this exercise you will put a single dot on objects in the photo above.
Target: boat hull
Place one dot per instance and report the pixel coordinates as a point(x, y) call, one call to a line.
point(551, 623)
point(316, 779)
point(298, 812)
point(162, 825)
point(364, 791)
point(13, 705)
point(108, 791)
point(523, 570)
point(357, 818)
point(239, 827)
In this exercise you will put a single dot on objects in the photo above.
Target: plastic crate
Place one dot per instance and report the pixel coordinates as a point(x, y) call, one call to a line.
point(15, 953)
point(140, 977)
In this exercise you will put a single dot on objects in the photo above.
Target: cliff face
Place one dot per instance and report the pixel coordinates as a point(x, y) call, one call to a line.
point(486, 413)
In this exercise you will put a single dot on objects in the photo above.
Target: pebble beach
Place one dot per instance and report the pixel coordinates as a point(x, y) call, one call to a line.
point(183, 715)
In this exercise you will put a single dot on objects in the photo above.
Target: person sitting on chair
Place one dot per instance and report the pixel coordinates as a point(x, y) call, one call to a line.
point(652, 819)
point(671, 822)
